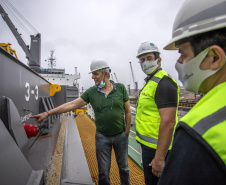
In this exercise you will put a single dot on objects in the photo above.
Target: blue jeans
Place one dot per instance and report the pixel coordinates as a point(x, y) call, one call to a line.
point(104, 146)
point(147, 156)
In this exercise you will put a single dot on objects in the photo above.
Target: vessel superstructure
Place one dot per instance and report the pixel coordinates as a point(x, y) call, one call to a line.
point(57, 75)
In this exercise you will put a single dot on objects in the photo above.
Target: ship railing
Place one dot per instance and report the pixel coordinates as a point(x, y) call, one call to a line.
point(48, 103)
point(134, 149)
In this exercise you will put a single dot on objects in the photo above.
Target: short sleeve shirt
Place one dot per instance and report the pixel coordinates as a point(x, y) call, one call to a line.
point(166, 92)
point(109, 110)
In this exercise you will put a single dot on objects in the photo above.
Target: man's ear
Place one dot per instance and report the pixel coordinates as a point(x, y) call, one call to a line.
point(159, 61)
point(217, 56)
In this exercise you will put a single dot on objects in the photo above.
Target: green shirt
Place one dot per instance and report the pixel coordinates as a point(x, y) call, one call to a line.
point(108, 109)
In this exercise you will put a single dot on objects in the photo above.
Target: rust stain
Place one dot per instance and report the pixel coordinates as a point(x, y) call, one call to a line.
point(43, 137)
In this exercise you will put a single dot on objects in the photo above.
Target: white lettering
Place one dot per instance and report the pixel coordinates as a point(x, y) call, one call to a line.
point(36, 95)
point(27, 96)
point(26, 117)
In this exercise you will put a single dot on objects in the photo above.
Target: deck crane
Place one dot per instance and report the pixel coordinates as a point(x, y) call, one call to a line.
point(116, 78)
point(33, 54)
point(112, 77)
point(134, 83)
point(6, 46)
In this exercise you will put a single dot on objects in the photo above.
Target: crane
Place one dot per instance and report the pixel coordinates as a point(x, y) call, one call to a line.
point(136, 91)
point(134, 83)
point(6, 46)
point(112, 77)
point(116, 78)
point(34, 53)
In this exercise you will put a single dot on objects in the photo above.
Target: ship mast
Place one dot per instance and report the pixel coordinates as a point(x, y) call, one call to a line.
point(51, 60)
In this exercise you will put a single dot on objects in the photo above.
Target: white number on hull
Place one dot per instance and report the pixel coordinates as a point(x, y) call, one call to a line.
point(36, 94)
point(29, 92)
point(27, 96)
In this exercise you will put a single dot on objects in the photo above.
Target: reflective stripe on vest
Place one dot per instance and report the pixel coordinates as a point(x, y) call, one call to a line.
point(208, 119)
point(156, 79)
point(148, 139)
point(206, 123)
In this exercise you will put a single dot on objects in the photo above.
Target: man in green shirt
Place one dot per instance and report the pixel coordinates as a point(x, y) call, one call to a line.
point(110, 102)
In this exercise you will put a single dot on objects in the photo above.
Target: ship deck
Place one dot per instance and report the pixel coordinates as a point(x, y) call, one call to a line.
point(74, 159)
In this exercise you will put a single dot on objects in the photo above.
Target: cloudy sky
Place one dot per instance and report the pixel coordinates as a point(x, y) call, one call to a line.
point(82, 30)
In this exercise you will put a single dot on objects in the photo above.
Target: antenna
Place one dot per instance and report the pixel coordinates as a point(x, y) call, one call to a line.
point(51, 60)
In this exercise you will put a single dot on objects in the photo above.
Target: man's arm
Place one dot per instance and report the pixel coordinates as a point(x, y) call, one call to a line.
point(127, 117)
point(165, 138)
point(66, 107)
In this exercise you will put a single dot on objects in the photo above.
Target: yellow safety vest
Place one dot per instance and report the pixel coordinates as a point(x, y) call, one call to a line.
point(207, 121)
point(147, 115)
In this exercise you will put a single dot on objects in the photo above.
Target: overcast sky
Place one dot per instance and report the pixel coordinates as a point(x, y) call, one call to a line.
point(82, 30)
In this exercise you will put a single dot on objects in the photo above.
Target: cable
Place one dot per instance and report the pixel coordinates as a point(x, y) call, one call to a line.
point(18, 17)
point(12, 14)
point(22, 17)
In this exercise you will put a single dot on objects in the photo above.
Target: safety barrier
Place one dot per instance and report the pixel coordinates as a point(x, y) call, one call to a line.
point(134, 147)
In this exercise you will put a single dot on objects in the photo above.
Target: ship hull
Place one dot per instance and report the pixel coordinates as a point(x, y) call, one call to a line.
point(22, 85)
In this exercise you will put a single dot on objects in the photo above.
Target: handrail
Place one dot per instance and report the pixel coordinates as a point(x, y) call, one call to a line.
point(135, 149)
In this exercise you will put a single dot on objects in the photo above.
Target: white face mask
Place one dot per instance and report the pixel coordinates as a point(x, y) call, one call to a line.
point(190, 73)
point(149, 66)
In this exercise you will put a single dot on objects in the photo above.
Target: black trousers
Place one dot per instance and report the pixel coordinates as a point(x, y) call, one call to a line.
point(148, 155)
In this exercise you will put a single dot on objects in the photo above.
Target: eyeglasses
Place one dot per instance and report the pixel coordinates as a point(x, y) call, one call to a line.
point(149, 59)
point(106, 100)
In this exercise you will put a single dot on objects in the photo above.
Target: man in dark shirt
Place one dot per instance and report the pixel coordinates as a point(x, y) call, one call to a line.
point(198, 156)
point(156, 112)
point(191, 163)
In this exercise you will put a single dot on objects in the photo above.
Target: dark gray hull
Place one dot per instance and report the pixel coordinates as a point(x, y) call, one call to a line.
point(23, 93)
point(21, 84)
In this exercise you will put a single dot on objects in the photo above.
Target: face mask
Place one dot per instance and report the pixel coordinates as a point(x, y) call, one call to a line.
point(102, 84)
point(149, 66)
point(191, 75)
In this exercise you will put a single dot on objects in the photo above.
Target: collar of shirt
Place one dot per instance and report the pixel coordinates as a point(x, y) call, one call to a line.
point(148, 78)
point(100, 90)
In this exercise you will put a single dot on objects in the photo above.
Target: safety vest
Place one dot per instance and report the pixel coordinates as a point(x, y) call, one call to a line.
point(206, 122)
point(147, 115)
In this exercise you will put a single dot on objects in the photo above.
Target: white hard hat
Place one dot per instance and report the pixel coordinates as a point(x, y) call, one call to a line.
point(98, 64)
point(147, 47)
point(197, 16)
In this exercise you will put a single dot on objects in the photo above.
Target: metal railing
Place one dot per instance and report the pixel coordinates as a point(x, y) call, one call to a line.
point(134, 147)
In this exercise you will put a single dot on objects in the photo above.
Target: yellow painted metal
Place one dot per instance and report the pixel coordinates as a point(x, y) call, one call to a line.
point(54, 88)
point(87, 131)
point(80, 110)
point(6, 46)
